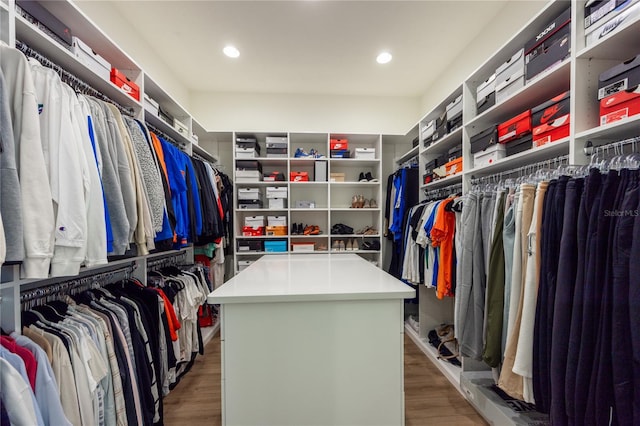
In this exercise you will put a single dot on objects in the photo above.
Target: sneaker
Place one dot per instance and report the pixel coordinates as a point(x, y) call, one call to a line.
point(336, 245)
point(367, 204)
point(362, 177)
point(370, 178)
point(373, 203)
point(349, 246)
point(300, 153)
point(341, 245)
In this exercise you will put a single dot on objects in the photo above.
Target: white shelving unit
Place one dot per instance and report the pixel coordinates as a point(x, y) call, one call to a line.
point(332, 199)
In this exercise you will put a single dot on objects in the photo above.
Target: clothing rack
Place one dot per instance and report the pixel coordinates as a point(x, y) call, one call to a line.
point(522, 171)
point(410, 162)
point(445, 192)
point(171, 259)
point(617, 147)
point(166, 137)
point(75, 285)
point(78, 85)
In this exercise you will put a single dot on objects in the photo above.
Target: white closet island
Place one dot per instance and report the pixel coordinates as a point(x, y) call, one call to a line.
point(313, 340)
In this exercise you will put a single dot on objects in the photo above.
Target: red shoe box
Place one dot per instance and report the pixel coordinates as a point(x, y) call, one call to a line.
point(299, 176)
point(338, 144)
point(515, 127)
point(550, 120)
point(620, 105)
point(248, 231)
point(123, 82)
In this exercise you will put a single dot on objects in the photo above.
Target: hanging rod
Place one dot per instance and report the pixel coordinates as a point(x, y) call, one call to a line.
point(168, 260)
point(166, 137)
point(443, 192)
point(78, 85)
point(78, 284)
point(616, 146)
point(524, 170)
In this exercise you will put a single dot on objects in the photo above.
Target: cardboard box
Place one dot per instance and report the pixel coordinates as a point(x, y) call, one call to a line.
point(274, 177)
point(277, 153)
point(299, 176)
point(486, 102)
point(249, 194)
point(454, 167)
point(248, 176)
point(47, 19)
point(427, 131)
point(91, 59)
point(620, 106)
point(441, 127)
point(366, 153)
point(127, 85)
point(336, 177)
point(303, 204)
point(510, 76)
point(320, 171)
point(277, 192)
point(454, 109)
point(521, 144)
point(594, 11)
point(254, 221)
point(277, 203)
point(250, 245)
point(340, 153)
point(550, 120)
point(249, 231)
point(248, 165)
point(515, 127)
point(151, 105)
point(621, 77)
point(277, 221)
point(277, 141)
point(489, 156)
point(181, 127)
point(279, 231)
point(249, 204)
point(275, 246)
point(548, 36)
point(455, 152)
point(486, 94)
point(484, 140)
point(303, 247)
point(246, 152)
point(551, 56)
point(610, 24)
point(338, 144)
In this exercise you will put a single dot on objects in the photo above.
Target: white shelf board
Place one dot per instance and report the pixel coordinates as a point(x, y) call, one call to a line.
point(262, 237)
point(266, 160)
point(166, 101)
point(259, 253)
point(408, 155)
point(442, 146)
point(315, 209)
point(38, 40)
point(622, 44)
point(4, 6)
point(476, 388)
point(348, 184)
point(628, 127)
point(534, 155)
point(165, 128)
point(346, 162)
point(441, 183)
point(544, 87)
point(260, 210)
point(262, 183)
point(308, 236)
point(310, 183)
point(351, 209)
point(450, 371)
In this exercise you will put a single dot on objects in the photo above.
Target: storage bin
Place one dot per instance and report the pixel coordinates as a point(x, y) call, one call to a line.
point(127, 85)
point(550, 120)
point(276, 221)
point(254, 221)
point(515, 127)
point(303, 247)
point(484, 139)
point(619, 106)
point(275, 246)
point(510, 76)
point(366, 153)
point(489, 156)
point(277, 192)
point(91, 59)
point(248, 194)
point(299, 177)
point(277, 203)
point(336, 177)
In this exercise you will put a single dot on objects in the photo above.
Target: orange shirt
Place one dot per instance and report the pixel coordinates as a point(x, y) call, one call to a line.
point(442, 235)
point(172, 319)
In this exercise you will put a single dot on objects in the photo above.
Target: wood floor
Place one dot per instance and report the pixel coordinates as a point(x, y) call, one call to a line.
point(429, 397)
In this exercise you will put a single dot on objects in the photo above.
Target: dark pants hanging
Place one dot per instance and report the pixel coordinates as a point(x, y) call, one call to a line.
point(634, 313)
point(562, 307)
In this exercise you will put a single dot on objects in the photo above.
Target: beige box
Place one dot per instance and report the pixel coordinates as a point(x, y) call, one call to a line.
point(336, 177)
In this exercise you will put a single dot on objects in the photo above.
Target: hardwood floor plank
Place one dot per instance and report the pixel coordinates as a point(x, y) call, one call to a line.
point(429, 397)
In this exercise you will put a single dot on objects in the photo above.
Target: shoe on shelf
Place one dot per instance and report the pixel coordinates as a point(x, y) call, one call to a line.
point(367, 205)
point(371, 231)
point(300, 153)
point(362, 178)
point(307, 230)
point(361, 231)
point(321, 247)
point(354, 202)
point(341, 245)
point(360, 201)
point(355, 245)
point(315, 230)
point(294, 228)
point(370, 177)
point(373, 203)
point(349, 246)
point(336, 245)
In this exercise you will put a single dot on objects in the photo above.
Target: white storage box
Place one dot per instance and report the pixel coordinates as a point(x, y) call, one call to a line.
point(247, 176)
point(278, 141)
point(277, 192)
point(276, 221)
point(610, 24)
point(91, 59)
point(181, 128)
point(194, 138)
point(489, 156)
point(302, 204)
point(510, 76)
point(248, 194)
point(151, 105)
point(254, 221)
point(428, 129)
point(303, 247)
point(277, 203)
point(366, 153)
point(244, 264)
point(454, 108)
point(245, 152)
point(486, 87)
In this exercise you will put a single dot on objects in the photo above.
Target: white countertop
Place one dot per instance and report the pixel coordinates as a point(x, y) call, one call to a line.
point(313, 277)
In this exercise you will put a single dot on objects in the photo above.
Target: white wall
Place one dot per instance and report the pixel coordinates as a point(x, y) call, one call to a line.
point(511, 18)
point(115, 26)
point(303, 113)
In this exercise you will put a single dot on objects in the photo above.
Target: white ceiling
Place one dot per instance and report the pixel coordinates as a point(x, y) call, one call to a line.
point(309, 47)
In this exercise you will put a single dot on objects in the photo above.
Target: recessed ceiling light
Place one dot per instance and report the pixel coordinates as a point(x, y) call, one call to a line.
point(384, 58)
point(231, 51)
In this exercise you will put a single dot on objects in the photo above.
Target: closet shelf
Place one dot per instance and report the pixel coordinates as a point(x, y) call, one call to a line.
point(353, 161)
point(355, 184)
point(620, 45)
point(449, 180)
point(4, 6)
point(408, 155)
point(204, 154)
point(543, 88)
point(545, 152)
point(38, 40)
point(166, 128)
point(262, 237)
point(351, 209)
point(617, 130)
point(304, 162)
point(261, 183)
point(309, 236)
point(443, 145)
point(305, 210)
point(261, 210)
point(310, 183)
point(267, 160)
point(355, 236)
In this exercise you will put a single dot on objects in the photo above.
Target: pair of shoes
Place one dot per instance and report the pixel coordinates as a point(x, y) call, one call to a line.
point(301, 153)
point(321, 247)
point(371, 245)
point(311, 230)
point(338, 245)
point(366, 177)
point(359, 202)
point(367, 230)
point(352, 245)
point(315, 154)
point(297, 229)
point(341, 229)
